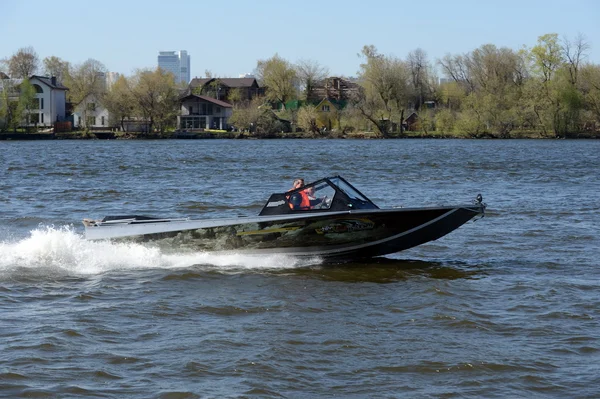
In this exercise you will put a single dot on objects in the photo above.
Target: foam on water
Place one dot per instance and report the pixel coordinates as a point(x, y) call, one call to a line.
point(63, 249)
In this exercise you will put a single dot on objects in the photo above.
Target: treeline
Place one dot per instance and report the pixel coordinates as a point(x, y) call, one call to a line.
point(548, 90)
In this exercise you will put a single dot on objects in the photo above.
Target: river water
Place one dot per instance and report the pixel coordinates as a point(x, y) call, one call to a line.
point(506, 306)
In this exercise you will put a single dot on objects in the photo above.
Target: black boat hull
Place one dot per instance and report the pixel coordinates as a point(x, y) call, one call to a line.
point(355, 234)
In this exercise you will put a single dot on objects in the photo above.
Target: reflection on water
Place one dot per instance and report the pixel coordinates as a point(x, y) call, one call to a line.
point(385, 270)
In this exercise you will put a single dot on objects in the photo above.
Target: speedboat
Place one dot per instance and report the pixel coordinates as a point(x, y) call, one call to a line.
point(328, 218)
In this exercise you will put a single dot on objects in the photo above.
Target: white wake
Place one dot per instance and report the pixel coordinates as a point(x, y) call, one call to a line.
point(64, 250)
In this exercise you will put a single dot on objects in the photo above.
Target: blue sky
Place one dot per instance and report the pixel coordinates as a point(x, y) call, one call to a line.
point(227, 37)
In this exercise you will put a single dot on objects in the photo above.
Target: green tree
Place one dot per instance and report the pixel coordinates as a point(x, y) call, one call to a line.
point(555, 69)
point(17, 101)
point(156, 97)
point(246, 116)
point(235, 96)
point(27, 104)
point(119, 101)
point(590, 90)
point(307, 119)
point(8, 104)
point(279, 77)
point(385, 93)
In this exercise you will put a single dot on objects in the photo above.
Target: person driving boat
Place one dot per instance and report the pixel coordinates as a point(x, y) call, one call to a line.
point(300, 199)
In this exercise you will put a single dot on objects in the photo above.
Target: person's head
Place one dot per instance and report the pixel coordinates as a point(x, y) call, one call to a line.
point(298, 183)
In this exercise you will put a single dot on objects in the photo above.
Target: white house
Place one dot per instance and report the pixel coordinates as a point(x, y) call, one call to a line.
point(202, 112)
point(50, 103)
point(96, 116)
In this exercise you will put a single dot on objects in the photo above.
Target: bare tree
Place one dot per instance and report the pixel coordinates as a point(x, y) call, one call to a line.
point(574, 52)
point(86, 83)
point(54, 66)
point(457, 68)
point(310, 73)
point(24, 63)
point(418, 65)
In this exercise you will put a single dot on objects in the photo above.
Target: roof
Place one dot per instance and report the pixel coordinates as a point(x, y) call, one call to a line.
point(48, 82)
point(238, 82)
point(208, 99)
point(199, 81)
point(229, 82)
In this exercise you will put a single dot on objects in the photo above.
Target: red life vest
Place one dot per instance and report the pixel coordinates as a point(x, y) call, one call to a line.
point(304, 204)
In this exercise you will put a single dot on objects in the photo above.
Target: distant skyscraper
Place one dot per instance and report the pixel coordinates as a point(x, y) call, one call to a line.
point(176, 62)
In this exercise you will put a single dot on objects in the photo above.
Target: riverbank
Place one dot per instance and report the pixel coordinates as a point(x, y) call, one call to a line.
point(107, 135)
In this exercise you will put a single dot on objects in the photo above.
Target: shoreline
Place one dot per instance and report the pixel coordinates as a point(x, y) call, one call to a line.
point(107, 135)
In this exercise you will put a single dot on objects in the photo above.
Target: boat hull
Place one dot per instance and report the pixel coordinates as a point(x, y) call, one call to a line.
point(351, 234)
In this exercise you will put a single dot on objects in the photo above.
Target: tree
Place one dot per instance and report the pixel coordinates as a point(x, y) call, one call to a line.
point(156, 96)
point(16, 102)
point(24, 63)
point(279, 77)
point(235, 96)
point(245, 117)
point(558, 102)
point(87, 85)
point(27, 103)
point(310, 73)
point(457, 68)
point(119, 101)
point(419, 74)
point(590, 89)
point(385, 93)
point(307, 119)
point(54, 66)
point(8, 104)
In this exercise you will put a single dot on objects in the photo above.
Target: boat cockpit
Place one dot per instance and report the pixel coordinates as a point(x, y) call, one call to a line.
point(330, 194)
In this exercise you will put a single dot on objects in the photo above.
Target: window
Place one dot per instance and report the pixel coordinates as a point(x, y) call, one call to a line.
point(34, 119)
point(91, 106)
point(217, 110)
point(102, 120)
point(41, 104)
point(209, 109)
point(79, 121)
point(350, 192)
point(325, 108)
point(90, 120)
point(41, 118)
point(38, 88)
point(35, 103)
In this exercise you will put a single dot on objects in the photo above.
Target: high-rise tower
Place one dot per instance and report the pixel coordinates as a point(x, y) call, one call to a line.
point(176, 62)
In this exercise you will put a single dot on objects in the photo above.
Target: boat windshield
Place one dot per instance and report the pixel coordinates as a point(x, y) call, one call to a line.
point(328, 194)
point(347, 189)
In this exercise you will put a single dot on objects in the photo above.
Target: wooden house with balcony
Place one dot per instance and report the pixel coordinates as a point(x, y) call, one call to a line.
point(202, 112)
point(222, 88)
